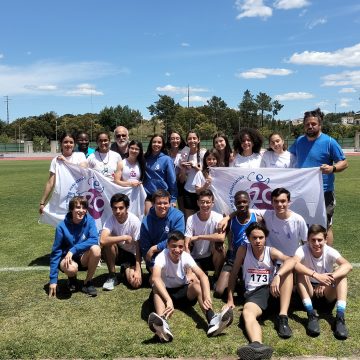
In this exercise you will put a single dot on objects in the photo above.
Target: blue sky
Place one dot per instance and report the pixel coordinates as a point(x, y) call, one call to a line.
point(78, 56)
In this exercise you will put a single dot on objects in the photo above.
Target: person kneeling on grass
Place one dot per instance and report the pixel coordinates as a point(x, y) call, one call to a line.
point(75, 245)
point(261, 280)
point(119, 239)
point(319, 285)
point(171, 288)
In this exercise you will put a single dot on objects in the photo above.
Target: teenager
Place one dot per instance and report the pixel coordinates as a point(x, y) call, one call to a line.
point(67, 144)
point(262, 283)
point(222, 145)
point(202, 239)
point(75, 246)
point(159, 171)
point(119, 239)
point(320, 285)
point(277, 156)
point(172, 289)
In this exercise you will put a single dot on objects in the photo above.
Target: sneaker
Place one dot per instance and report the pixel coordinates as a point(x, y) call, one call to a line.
point(255, 351)
point(340, 332)
point(160, 327)
point(282, 327)
point(110, 283)
point(313, 328)
point(220, 321)
point(89, 289)
point(72, 284)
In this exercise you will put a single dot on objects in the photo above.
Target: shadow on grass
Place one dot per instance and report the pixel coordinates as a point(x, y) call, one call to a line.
point(62, 290)
point(41, 261)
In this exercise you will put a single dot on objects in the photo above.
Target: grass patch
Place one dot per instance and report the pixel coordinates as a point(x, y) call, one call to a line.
point(114, 324)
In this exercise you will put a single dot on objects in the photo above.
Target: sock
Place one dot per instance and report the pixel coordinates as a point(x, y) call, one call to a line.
point(340, 308)
point(308, 305)
point(209, 315)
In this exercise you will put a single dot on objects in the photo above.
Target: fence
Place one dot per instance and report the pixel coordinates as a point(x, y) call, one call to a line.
point(19, 148)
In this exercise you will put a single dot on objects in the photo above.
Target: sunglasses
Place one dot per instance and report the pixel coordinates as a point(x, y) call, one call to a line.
point(120, 136)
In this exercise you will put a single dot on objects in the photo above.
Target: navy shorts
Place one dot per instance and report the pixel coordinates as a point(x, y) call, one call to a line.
point(125, 258)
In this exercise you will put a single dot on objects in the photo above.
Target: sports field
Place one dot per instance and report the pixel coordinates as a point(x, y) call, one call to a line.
point(113, 324)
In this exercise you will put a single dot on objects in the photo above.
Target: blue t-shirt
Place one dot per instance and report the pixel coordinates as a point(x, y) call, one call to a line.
point(322, 150)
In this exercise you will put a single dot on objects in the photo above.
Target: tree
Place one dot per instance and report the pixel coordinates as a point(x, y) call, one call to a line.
point(263, 102)
point(248, 109)
point(165, 110)
point(276, 107)
point(111, 117)
point(217, 108)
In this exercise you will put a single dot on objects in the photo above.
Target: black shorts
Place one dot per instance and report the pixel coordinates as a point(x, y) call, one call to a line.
point(330, 203)
point(261, 297)
point(206, 264)
point(125, 258)
point(77, 259)
point(321, 304)
point(179, 297)
point(190, 201)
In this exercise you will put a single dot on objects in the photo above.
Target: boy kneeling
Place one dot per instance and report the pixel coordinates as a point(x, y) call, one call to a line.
point(319, 285)
point(261, 281)
point(171, 289)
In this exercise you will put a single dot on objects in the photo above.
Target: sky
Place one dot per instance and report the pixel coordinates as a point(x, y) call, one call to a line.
point(79, 56)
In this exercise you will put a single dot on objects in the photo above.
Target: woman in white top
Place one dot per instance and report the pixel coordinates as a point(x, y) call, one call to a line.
point(104, 160)
point(191, 163)
point(222, 145)
point(277, 156)
point(67, 145)
point(132, 169)
point(247, 145)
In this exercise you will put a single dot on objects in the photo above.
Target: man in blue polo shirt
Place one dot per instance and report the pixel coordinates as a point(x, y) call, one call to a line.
point(318, 149)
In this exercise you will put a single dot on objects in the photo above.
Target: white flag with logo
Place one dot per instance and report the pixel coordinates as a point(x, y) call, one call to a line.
point(73, 180)
point(305, 186)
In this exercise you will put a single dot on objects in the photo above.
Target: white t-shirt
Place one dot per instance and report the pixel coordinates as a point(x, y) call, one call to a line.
point(190, 173)
point(270, 159)
point(174, 274)
point(194, 226)
point(104, 163)
point(130, 172)
point(323, 264)
point(285, 235)
point(130, 227)
point(75, 158)
point(247, 162)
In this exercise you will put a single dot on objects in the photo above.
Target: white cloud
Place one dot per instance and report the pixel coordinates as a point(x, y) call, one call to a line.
point(42, 87)
point(262, 73)
point(343, 57)
point(323, 103)
point(167, 74)
point(180, 90)
point(291, 4)
point(84, 89)
point(344, 102)
point(34, 77)
point(347, 90)
point(294, 96)
point(195, 98)
point(316, 22)
point(185, 44)
point(1, 56)
point(345, 78)
point(303, 12)
point(28, 53)
point(252, 8)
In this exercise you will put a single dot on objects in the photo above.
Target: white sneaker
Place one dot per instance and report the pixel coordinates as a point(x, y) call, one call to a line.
point(160, 327)
point(110, 283)
point(220, 321)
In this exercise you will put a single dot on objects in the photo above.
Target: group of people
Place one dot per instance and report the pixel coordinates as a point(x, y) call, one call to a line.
point(181, 238)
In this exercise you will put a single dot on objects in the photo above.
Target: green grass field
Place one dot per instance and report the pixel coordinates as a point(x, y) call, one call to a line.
point(113, 324)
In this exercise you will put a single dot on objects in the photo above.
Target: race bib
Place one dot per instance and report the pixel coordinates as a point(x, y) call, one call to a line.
point(258, 277)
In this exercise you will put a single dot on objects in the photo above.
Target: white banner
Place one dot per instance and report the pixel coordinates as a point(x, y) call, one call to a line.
point(305, 186)
point(72, 180)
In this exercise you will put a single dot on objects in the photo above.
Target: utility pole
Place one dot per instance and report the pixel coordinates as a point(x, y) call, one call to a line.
point(7, 108)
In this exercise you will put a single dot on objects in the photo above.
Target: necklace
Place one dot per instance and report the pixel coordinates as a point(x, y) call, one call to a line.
point(106, 170)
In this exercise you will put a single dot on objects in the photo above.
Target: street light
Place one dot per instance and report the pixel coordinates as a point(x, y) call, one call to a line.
point(56, 128)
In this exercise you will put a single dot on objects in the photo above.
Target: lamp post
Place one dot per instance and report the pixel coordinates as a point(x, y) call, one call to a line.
point(56, 129)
